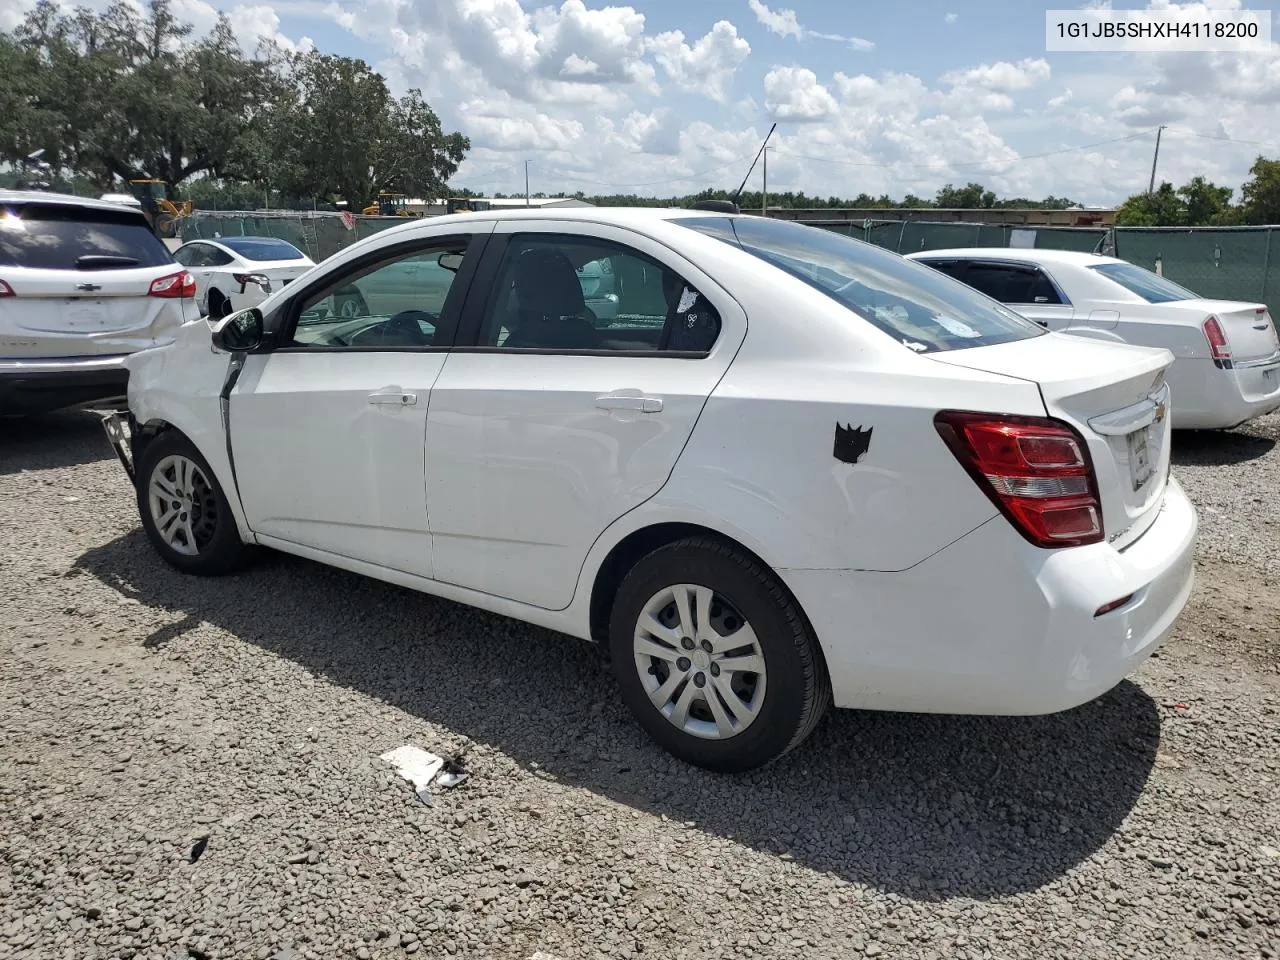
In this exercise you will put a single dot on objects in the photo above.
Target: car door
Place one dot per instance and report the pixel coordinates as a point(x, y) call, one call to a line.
point(195, 257)
point(327, 427)
point(548, 421)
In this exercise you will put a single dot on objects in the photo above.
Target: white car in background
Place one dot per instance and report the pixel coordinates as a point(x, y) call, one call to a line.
point(237, 272)
point(83, 283)
point(791, 469)
point(1227, 368)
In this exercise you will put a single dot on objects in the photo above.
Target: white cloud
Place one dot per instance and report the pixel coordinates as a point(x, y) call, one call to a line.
point(781, 22)
point(794, 93)
point(708, 65)
point(951, 17)
point(1002, 76)
point(785, 24)
point(1060, 100)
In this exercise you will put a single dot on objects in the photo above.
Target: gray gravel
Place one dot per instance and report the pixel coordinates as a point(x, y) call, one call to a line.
point(189, 769)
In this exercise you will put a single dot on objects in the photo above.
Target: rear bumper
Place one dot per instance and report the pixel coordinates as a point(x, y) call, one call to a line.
point(993, 625)
point(40, 386)
point(1208, 397)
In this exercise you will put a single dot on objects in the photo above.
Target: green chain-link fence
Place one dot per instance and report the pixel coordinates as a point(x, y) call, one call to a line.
point(1221, 263)
point(1225, 263)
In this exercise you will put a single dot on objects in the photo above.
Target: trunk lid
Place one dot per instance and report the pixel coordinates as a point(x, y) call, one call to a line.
point(50, 306)
point(1116, 396)
point(1248, 326)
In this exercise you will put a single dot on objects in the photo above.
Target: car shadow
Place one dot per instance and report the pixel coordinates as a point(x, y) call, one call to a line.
point(927, 807)
point(1217, 448)
point(67, 438)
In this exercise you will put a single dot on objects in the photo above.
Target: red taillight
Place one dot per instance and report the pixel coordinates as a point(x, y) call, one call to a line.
point(1219, 346)
point(1036, 471)
point(176, 286)
point(6, 290)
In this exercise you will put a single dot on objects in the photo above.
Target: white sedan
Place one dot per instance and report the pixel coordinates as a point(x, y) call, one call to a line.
point(1228, 352)
point(237, 272)
point(789, 468)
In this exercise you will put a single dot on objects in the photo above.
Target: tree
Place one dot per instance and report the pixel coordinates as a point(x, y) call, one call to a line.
point(1206, 203)
point(973, 196)
point(340, 133)
point(1260, 195)
point(1160, 208)
point(128, 94)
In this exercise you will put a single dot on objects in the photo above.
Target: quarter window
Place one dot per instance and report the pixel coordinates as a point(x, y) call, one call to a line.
point(392, 303)
point(578, 293)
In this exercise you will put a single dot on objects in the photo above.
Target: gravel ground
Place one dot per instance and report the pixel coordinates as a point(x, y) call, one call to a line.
point(189, 769)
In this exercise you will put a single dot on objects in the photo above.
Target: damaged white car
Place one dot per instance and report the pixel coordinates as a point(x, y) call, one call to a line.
point(786, 470)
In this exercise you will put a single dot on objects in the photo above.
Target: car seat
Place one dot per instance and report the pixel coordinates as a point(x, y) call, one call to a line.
point(550, 312)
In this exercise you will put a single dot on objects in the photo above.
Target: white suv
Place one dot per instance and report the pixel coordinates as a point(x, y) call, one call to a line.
point(83, 283)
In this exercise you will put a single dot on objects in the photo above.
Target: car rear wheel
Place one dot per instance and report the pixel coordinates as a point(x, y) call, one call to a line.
point(714, 657)
point(219, 306)
point(184, 511)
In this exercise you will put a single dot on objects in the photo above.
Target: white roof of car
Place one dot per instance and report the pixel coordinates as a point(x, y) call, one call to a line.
point(1022, 254)
point(65, 199)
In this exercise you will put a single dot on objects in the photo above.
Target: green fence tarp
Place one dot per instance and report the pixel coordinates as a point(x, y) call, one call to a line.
point(318, 235)
point(1237, 264)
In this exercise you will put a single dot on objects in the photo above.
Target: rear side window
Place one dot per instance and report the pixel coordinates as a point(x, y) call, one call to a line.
point(923, 309)
point(59, 237)
point(1149, 286)
point(262, 248)
point(1009, 283)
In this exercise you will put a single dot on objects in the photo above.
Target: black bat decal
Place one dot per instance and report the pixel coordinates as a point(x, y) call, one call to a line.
point(851, 443)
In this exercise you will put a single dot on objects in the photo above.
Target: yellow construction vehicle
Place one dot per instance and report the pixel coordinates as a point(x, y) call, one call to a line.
point(390, 205)
point(465, 205)
point(160, 211)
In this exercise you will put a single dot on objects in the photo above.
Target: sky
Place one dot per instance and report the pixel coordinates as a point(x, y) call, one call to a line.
point(667, 97)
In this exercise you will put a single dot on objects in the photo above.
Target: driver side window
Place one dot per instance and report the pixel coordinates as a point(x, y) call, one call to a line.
point(391, 303)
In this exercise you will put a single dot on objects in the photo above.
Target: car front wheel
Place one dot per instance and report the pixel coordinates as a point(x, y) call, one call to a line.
point(714, 658)
point(183, 509)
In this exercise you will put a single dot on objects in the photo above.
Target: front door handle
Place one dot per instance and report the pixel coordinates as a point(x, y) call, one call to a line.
point(393, 396)
point(615, 401)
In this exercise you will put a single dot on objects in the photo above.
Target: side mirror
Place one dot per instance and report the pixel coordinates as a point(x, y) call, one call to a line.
point(239, 332)
point(450, 261)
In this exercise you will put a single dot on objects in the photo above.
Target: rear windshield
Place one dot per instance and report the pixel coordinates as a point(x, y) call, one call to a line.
point(58, 237)
point(925, 310)
point(1147, 285)
point(262, 248)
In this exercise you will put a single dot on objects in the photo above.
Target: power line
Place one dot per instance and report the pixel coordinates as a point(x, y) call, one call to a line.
point(1205, 136)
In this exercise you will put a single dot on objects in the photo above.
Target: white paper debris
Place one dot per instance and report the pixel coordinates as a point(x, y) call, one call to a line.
point(957, 328)
point(686, 300)
point(415, 764)
point(448, 779)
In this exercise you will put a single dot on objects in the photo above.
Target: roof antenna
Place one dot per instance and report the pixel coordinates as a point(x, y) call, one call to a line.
point(738, 193)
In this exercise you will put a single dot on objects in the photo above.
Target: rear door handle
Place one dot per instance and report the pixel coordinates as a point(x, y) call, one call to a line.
point(616, 401)
point(393, 396)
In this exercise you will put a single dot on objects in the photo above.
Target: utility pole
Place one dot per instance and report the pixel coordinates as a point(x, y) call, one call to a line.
point(526, 183)
point(764, 184)
point(1151, 187)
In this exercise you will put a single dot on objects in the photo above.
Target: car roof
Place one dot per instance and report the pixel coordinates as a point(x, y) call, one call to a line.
point(1018, 254)
point(62, 199)
point(618, 216)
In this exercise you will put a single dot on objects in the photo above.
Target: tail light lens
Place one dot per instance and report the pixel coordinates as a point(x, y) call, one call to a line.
point(1036, 471)
point(5, 290)
point(176, 286)
point(1219, 345)
point(262, 280)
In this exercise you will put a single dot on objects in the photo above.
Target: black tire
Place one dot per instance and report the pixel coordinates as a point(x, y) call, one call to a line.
point(797, 691)
point(219, 306)
point(218, 547)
